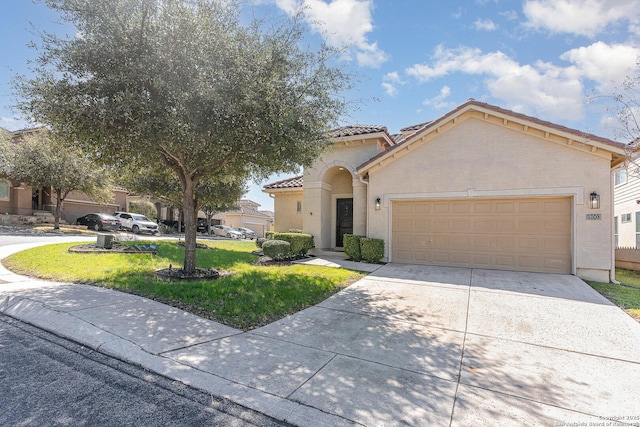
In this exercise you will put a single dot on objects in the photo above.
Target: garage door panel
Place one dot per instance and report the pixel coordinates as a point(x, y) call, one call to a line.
point(510, 234)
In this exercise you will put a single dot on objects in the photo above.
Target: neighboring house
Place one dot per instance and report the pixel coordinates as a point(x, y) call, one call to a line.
point(626, 220)
point(247, 215)
point(479, 187)
point(39, 203)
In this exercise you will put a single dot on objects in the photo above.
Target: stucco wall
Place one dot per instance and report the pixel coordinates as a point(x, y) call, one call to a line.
point(476, 158)
point(324, 182)
point(19, 202)
point(286, 217)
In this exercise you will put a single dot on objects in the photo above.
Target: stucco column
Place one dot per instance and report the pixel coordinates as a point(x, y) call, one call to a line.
point(312, 214)
point(359, 208)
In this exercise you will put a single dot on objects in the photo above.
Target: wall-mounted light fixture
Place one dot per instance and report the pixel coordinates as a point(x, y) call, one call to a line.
point(377, 203)
point(594, 200)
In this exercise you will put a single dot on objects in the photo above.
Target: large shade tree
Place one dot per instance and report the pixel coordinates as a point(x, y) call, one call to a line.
point(41, 159)
point(184, 85)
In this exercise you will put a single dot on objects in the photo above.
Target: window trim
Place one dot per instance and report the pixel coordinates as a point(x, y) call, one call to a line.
point(625, 218)
point(8, 183)
point(617, 173)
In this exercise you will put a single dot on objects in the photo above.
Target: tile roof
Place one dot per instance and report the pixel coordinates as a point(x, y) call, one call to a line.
point(295, 182)
point(397, 138)
point(414, 128)
point(356, 130)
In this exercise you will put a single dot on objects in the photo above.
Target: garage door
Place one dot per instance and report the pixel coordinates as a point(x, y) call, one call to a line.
point(502, 234)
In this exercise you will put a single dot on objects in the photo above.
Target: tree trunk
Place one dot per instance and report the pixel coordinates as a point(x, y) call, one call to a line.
point(56, 214)
point(189, 208)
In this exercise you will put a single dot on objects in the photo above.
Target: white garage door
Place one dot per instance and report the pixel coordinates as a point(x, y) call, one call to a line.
point(502, 234)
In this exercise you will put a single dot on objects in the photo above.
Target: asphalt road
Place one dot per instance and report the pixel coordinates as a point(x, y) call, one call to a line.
point(47, 380)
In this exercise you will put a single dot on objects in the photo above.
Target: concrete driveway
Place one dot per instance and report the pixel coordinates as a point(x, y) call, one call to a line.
point(406, 345)
point(422, 345)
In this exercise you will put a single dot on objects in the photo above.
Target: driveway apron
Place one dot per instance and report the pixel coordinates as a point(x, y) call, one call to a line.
point(406, 345)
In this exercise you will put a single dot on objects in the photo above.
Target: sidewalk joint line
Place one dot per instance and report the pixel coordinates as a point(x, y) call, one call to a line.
point(464, 342)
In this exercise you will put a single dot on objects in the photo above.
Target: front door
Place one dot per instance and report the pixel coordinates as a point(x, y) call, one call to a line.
point(344, 219)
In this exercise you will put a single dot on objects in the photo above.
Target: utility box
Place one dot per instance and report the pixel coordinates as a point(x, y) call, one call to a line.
point(104, 241)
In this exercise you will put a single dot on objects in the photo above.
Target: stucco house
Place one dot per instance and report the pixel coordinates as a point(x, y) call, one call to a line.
point(248, 215)
point(37, 204)
point(480, 187)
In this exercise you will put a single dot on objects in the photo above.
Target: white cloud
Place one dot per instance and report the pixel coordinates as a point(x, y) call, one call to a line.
point(341, 23)
point(509, 15)
point(550, 90)
point(438, 101)
point(580, 17)
point(607, 65)
point(12, 123)
point(485, 25)
point(390, 83)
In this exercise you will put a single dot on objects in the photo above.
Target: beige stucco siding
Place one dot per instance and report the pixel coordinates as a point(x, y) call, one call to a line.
point(334, 176)
point(479, 159)
point(285, 207)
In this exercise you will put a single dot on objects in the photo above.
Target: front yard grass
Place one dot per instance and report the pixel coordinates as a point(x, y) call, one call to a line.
point(626, 295)
point(246, 297)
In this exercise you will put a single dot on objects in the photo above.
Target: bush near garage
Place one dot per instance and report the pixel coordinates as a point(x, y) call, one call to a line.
point(276, 249)
point(260, 241)
point(300, 243)
point(371, 250)
point(351, 244)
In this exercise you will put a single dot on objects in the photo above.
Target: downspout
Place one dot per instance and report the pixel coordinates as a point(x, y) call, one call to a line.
point(366, 184)
point(612, 272)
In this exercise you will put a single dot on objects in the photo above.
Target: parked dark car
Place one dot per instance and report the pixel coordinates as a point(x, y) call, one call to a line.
point(202, 225)
point(99, 221)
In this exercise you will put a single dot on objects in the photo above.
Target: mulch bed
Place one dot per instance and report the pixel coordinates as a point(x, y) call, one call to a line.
point(179, 274)
point(198, 245)
point(116, 248)
point(265, 261)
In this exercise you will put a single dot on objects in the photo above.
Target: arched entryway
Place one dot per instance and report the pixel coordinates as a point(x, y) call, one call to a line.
point(340, 207)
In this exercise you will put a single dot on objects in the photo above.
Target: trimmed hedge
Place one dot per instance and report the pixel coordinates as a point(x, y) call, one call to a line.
point(260, 241)
point(300, 243)
point(276, 249)
point(351, 245)
point(371, 250)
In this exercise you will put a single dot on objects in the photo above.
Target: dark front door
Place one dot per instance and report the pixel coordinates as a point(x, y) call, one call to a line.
point(344, 219)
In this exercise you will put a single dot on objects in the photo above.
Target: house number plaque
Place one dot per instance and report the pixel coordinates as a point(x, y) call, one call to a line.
point(594, 217)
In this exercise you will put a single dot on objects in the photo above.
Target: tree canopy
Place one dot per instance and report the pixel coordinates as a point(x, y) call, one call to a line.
point(183, 85)
point(39, 159)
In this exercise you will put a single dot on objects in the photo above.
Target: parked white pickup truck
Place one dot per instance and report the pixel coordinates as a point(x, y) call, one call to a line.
point(137, 223)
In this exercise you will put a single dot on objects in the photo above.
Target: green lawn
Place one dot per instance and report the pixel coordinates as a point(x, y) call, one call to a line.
point(246, 297)
point(626, 295)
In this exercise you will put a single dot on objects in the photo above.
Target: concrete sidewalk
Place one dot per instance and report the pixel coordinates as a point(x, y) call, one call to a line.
point(407, 345)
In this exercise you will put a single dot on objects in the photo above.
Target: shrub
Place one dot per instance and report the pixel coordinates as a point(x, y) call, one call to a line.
point(269, 234)
point(372, 250)
point(260, 241)
point(276, 249)
point(300, 242)
point(295, 230)
point(351, 244)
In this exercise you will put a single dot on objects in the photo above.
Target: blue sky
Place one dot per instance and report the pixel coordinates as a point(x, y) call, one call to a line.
point(418, 59)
